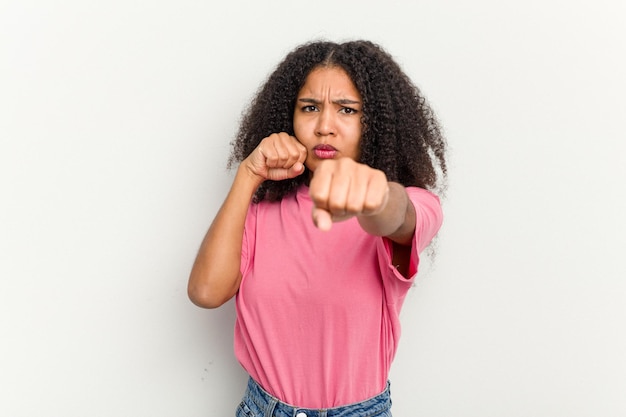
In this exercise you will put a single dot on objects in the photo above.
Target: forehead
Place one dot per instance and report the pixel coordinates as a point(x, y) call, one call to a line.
point(329, 80)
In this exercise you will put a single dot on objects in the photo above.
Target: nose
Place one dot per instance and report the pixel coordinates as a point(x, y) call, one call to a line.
point(325, 123)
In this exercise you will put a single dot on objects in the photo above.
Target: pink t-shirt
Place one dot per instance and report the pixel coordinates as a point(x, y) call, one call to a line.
point(317, 312)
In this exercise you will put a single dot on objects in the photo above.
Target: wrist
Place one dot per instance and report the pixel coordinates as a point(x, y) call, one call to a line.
point(247, 175)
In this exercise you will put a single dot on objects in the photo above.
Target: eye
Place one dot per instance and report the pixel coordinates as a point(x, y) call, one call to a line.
point(309, 108)
point(348, 110)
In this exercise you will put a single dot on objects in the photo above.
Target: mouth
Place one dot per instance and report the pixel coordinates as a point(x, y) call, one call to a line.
point(325, 151)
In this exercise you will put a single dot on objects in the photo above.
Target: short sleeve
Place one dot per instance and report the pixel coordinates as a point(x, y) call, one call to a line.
point(428, 220)
point(429, 216)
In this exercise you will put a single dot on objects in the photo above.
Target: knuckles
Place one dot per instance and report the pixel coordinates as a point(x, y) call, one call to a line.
point(280, 150)
point(365, 188)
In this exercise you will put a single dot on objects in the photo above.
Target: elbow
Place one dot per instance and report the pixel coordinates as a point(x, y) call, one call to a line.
point(207, 294)
point(206, 299)
point(208, 288)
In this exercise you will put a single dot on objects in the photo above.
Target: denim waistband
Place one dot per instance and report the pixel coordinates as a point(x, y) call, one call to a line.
point(258, 403)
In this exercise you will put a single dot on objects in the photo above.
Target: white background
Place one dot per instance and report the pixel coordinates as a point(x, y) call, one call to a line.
point(115, 123)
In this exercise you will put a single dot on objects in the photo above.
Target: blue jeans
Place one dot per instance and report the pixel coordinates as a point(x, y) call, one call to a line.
point(258, 403)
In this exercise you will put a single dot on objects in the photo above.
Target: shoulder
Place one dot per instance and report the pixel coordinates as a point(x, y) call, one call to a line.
point(422, 195)
point(425, 201)
point(429, 214)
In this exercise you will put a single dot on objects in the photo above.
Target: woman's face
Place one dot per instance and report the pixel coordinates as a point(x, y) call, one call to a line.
point(327, 116)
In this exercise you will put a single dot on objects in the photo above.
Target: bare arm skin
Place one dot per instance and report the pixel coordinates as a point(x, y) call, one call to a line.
point(396, 220)
point(215, 276)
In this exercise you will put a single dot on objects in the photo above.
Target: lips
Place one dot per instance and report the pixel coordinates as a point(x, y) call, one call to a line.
point(325, 151)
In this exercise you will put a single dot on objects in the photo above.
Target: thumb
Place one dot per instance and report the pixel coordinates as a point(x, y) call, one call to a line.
point(322, 219)
point(296, 169)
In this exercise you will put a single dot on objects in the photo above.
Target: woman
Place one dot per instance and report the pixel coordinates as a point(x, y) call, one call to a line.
point(320, 234)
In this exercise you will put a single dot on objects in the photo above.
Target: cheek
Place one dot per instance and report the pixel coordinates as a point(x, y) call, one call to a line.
point(357, 142)
point(357, 133)
point(298, 126)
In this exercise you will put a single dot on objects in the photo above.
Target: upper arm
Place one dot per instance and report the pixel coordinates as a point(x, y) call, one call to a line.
point(427, 219)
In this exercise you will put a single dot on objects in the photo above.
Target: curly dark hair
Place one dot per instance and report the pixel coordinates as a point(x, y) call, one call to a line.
point(401, 135)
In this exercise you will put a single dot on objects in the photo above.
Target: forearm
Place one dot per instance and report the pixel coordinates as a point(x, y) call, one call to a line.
point(216, 275)
point(396, 220)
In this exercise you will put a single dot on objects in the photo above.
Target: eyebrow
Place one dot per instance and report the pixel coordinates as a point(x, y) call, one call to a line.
point(342, 101)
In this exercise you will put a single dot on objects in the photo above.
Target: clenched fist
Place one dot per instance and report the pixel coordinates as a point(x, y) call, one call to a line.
point(342, 188)
point(278, 157)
